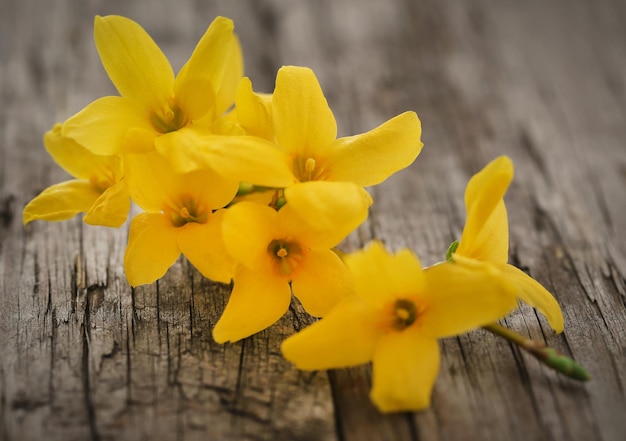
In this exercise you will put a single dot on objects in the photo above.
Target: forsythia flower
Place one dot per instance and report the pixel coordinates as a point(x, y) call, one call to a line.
point(180, 217)
point(279, 252)
point(155, 108)
point(394, 320)
point(98, 191)
point(485, 237)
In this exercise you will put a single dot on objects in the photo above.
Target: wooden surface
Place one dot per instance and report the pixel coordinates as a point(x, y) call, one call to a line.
point(85, 357)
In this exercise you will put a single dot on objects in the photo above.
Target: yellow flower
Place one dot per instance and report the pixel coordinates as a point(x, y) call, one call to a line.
point(279, 252)
point(485, 237)
point(305, 128)
point(98, 191)
point(306, 131)
point(154, 106)
point(394, 320)
point(182, 214)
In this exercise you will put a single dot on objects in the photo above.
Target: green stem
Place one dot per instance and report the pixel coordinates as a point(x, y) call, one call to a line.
point(541, 352)
point(246, 188)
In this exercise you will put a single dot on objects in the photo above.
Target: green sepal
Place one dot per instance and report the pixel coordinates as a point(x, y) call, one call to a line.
point(451, 249)
point(565, 365)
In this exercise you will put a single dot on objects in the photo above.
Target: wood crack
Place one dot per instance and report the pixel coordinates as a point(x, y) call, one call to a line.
point(89, 405)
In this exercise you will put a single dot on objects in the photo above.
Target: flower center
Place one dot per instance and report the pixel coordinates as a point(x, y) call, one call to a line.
point(404, 314)
point(189, 210)
point(308, 169)
point(286, 255)
point(169, 119)
point(104, 179)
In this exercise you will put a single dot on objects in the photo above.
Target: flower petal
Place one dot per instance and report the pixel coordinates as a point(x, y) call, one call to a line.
point(133, 61)
point(253, 111)
point(370, 158)
point(196, 98)
point(459, 296)
point(345, 337)
point(404, 369)
point(241, 158)
point(257, 301)
point(74, 158)
point(320, 281)
point(534, 294)
point(248, 229)
point(486, 233)
point(152, 248)
point(202, 244)
point(323, 213)
point(111, 208)
point(303, 122)
point(101, 127)
point(61, 201)
point(151, 180)
point(379, 275)
point(206, 67)
point(226, 91)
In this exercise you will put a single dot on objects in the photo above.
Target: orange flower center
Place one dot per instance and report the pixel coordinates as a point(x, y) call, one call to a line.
point(104, 179)
point(286, 255)
point(169, 119)
point(308, 169)
point(403, 314)
point(187, 210)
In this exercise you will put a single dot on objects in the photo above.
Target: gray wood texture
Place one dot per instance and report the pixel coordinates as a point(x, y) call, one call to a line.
point(82, 356)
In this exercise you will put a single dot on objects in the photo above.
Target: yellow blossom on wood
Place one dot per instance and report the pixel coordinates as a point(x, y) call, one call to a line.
point(182, 215)
point(280, 252)
point(155, 106)
point(99, 190)
point(485, 237)
point(394, 320)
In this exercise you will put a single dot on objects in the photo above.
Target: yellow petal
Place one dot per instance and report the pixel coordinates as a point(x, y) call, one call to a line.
point(151, 180)
point(213, 189)
point(404, 369)
point(253, 111)
point(486, 234)
point(224, 125)
point(458, 297)
point(206, 67)
point(111, 208)
point(257, 301)
point(76, 159)
point(534, 294)
point(226, 91)
point(370, 158)
point(152, 248)
point(248, 229)
point(196, 98)
point(202, 244)
point(61, 201)
point(241, 158)
point(303, 122)
point(101, 127)
point(323, 213)
point(139, 140)
point(345, 337)
point(321, 281)
point(379, 275)
point(133, 61)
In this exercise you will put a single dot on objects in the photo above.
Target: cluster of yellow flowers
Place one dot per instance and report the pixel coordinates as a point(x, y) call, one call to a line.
point(258, 190)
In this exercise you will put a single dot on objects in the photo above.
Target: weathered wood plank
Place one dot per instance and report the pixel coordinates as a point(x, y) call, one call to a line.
point(86, 357)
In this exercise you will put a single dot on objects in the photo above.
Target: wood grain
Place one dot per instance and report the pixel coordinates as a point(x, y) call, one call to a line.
point(84, 356)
